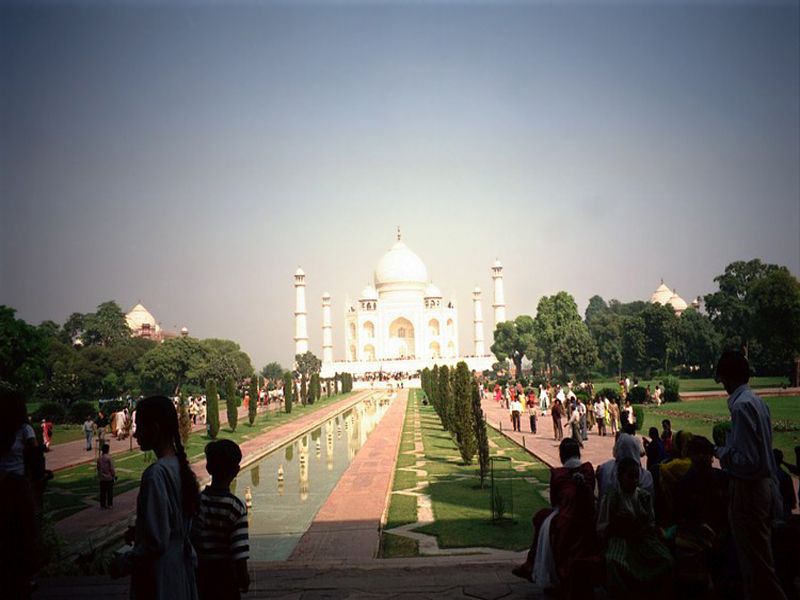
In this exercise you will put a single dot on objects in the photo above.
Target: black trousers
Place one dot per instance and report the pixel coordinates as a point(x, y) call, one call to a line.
point(106, 494)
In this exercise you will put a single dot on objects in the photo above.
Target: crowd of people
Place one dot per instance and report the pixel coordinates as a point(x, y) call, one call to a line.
point(676, 526)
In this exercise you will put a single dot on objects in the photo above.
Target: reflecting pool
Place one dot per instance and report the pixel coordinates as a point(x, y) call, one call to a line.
point(287, 487)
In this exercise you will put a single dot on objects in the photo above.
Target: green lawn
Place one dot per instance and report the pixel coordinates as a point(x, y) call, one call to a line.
point(699, 417)
point(462, 510)
point(70, 489)
point(701, 385)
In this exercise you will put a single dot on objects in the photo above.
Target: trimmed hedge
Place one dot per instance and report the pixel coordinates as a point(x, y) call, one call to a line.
point(79, 410)
point(672, 388)
point(637, 395)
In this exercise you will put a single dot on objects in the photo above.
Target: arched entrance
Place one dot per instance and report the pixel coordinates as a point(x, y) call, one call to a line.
point(401, 339)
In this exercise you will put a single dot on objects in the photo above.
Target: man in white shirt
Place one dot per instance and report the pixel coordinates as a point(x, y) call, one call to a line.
point(516, 411)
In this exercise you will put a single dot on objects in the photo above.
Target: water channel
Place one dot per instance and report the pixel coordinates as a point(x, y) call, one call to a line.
point(311, 465)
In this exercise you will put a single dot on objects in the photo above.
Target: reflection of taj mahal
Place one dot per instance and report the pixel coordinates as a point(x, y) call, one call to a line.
point(400, 324)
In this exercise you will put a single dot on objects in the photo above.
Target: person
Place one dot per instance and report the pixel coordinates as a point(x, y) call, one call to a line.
point(516, 410)
point(613, 415)
point(222, 540)
point(88, 431)
point(162, 560)
point(544, 398)
point(555, 413)
point(574, 424)
point(600, 416)
point(747, 457)
point(667, 435)
point(107, 476)
point(669, 473)
point(626, 445)
point(654, 449)
point(564, 534)
point(785, 485)
point(532, 411)
point(102, 424)
point(582, 413)
point(119, 423)
point(637, 563)
point(47, 434)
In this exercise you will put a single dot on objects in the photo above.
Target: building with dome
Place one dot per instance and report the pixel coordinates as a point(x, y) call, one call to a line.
point(663, 296)
point(402, 323)
point(142, 323)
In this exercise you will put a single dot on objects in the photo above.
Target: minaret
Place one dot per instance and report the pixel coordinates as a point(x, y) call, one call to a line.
point(300, 314)
point(478, 321)
point(327, 336)
point(499, 303)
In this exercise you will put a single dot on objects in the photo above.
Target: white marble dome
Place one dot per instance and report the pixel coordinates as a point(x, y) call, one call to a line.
point(662, 294)
point(432, 291)
point(678, 304)
point(140, 316)
point(369, 293)
point(400, 271)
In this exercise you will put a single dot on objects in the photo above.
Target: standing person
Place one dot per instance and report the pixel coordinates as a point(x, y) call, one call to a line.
point(222, 542)
point(581, 407)
point(88, 431)
point(600, 416)
point(544, 398)
point(555, 412)
point(574, 424)
point(532, 412)
point(654, 449)
point(667, 437)
point(47, 434)
point(101, 424)
point(613, 412)
point(747, 457)
point(161, 562)
point(107, 476)
point(516, 411)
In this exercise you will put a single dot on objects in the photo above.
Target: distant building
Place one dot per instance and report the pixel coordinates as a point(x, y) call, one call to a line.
point(143, 324)
point(663, 296)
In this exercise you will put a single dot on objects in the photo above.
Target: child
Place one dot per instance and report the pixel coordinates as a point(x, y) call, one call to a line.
point(222, 539)
point(107, 475)
point(161, 561)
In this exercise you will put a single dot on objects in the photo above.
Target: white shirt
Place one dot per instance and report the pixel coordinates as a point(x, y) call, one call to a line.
point(13, 461)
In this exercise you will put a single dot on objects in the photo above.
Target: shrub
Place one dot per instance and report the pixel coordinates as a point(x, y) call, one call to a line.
point(78, 411)
point(719, 432)
point(638, 414)
point(638, 395)
point(287, 392)
point(231, 404)
point(609, 393)
point(54, 412)
point(672, 386)
point(109, 407)
point(212, 409)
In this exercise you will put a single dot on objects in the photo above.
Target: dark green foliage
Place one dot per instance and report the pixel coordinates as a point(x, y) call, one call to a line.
point(296, 394)
point(313, 388)
point(273, 371)
point(252, 408)
point(106, 326)
point(444, 396)
point(637, 395)
point(303, 390)
point(461, 417)
point(329, 387)
point(53, 412)
point(638, 414)
point(609, 393)
point(479, 430)
point(672, 386)
point(79, 410)
point(23, 353)
point(184, 422)
point(720, 431)
point(231, 403)
point(212, 409)
point(318, 387)
point(434, 387)
point(287, 392)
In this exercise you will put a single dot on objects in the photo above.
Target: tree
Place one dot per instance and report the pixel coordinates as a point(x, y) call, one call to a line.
point(184, 422)
point(224, 358)
point(575, 352)
point(272, 371)
point(106, 326)
point(775, 301)
point(634, 344)
point(303, 390)
point(606, 330)
point(730, 308)
point(461, 414)
point(307, 364)
point(312, 388)
point(663, 336)
point(434, 386)
point(444, 396)
point(72, 330)
point(23, 353)
point(479, 428)
point(701, 342)
point(167, 367)
point(287, 392)
point(513, 339)
point(252, 407)
point(231, 403)
point(597, 306)
point(212, 409)
point(553, 315)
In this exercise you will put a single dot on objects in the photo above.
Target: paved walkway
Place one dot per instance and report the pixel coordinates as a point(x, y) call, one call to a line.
point(92, 526)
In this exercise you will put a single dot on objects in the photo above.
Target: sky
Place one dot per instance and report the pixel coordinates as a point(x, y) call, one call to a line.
point(191, 155)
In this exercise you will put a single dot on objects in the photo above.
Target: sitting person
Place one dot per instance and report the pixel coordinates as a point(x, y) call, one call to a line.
point(637, 563)
point(626, 446)
point(654, 449)
point(669, 473)
point(564, 535)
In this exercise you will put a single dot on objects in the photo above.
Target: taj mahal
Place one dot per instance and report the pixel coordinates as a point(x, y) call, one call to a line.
point(402, 323)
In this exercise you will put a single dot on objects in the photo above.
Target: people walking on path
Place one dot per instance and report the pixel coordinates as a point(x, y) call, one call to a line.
point(88, 431)
point(556, 412)
point(107, 476)
point(516, 411)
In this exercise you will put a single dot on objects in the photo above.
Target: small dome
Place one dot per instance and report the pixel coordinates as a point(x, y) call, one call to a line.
point(662, 294)
point(299, 271)
point(678, 304)
point(476, 291)
point(696, 302)
point(369, 293)
point(140, 316)
point(184, 331)
point(400, 265)
point(432, 291)
point(497, 264)
point(326, 296)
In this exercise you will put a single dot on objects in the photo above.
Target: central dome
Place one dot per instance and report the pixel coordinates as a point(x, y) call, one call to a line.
point(400, 270)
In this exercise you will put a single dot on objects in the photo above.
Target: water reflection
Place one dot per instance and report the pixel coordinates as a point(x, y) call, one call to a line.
point(284, 504)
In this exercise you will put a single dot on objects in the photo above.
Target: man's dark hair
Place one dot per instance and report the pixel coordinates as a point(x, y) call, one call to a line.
point(223, 458)
point(699, 445)
point(733, 365)
point(569, 448)
point(106, 448)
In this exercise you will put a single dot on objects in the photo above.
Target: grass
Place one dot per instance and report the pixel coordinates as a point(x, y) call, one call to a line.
point(462, 510)
point(701, 385)
point(699, 417)
point(71, 490)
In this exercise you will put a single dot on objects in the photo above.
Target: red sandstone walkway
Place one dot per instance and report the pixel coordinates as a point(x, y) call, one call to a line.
point(90, 527)
point(347, 527)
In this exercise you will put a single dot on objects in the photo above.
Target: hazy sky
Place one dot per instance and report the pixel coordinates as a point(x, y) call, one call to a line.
point(190, 156)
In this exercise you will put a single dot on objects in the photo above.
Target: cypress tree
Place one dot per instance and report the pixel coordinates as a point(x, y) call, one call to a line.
point(230, 403)
point(184, 422)
point(479, 428)
point(303, 390)
point(287, 392)
point(312, 389)
point(296, 392)
point(434, 385)
point(461, 413)
point(252, 408)
point(328, 385)
point(318, 387)
point(444, 395)
point(212, 409)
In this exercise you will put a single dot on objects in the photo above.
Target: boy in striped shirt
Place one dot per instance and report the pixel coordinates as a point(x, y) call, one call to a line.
point(221, 540)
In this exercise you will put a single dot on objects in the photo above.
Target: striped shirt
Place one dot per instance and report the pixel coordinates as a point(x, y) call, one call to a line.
point(223, 532)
